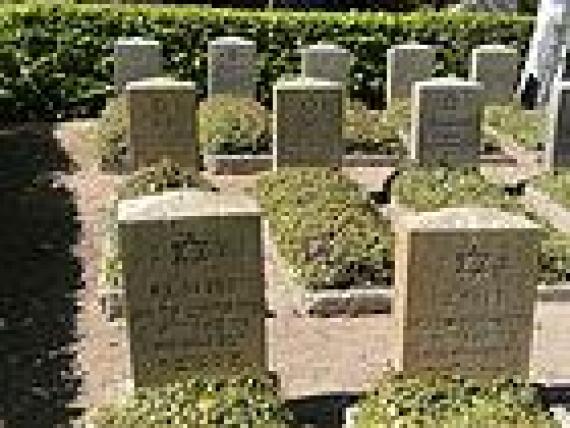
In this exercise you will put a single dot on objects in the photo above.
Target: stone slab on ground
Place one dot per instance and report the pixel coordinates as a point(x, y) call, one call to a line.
point(542, 204)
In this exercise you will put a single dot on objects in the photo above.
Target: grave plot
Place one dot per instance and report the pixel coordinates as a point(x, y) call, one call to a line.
point(329, 236)
point(425, 190)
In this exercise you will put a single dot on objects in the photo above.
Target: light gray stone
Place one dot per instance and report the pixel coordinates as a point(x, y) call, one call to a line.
point(495, 66)
point(326, 61)
point(558, 142)
point(231, 67)
point(446, 122)
point(406, 65)
point(307, 123)
point(136, 59)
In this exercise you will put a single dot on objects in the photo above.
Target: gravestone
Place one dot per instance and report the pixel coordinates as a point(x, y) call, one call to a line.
point(466, 281)
point(135, 59)
point(502, 6)
point(162, 123)
point(326, 61)
point(558, 144)
point(231, 67)
point(446, 122)
point(194, 284)
point(407, 64)
point(495, 66)
point(307, 123)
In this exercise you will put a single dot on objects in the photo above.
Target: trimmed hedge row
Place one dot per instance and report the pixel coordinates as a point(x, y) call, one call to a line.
point(57, 59)
point(326, 230)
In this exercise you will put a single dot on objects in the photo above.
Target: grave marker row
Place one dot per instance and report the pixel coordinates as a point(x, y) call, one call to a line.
point(192, 260)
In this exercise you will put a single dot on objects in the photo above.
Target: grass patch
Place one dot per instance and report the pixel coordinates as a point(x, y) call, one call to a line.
point(326, 229)
point(525, 127)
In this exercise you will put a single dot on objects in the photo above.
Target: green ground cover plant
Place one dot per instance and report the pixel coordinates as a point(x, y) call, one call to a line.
point(556, 184)
point(431, 189)
point(232, 125)
point(526, 127)
point(326, 229)
point(163, 176)
point(57, 58)
point(432, 400)
point(235, 401)
point(365, 131)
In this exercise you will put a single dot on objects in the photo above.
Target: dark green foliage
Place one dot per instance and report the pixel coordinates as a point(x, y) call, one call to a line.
point(57, 59)
point(235, 401)
point(326, 229)
point(431, 400)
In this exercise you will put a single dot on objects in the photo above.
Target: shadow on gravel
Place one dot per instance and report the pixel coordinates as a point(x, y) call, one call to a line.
point(39, 278)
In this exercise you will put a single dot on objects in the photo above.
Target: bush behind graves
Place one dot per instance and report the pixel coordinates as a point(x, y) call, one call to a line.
point(365, 131)
point(326, 229)
point(233, 125)
point(234, 401)
point(57, 58)
point(432, 400)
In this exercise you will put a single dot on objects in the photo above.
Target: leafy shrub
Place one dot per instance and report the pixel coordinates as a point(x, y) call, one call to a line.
point(555, 258)
point(235, 401)
point(325, 229)
point(57, 59)
point(430, 189)
point(431, 400)
point(233, 125)
point(399, 114)
point(109, 134)
point(366, 132)
point(526, 127)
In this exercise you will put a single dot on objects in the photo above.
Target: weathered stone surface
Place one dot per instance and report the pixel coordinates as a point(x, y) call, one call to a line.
point(136, 59)
point(407, 64)
point(307, 123)
point(466, 283)
point(495, 66)
point(446, 122)
point(162, 123)
point(558, 143)
point(231, 67)
point(194, 283)
point(326, 61)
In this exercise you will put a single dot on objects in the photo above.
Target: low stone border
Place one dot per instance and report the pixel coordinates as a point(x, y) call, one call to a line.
point(542, 205)
point(238, 164)
point(517, 151)
point(251, 164)
point(554, 292)
point(353, 302)
point(363, 160)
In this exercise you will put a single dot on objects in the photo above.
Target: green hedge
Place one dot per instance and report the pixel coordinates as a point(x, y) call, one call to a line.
point(326, 229)
point(431, 400)
point(57, 59)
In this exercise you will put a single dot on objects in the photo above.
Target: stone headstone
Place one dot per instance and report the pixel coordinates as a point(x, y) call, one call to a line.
point(231, 67)
point(326, 61)
point(466, 281)
point(307, 123)
point(502, 6)
point(495, 66)
point(406, 65)
point(162, 123)
point(446, 122)
point(194, 284)
point(558, 144)
point(136, 59)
